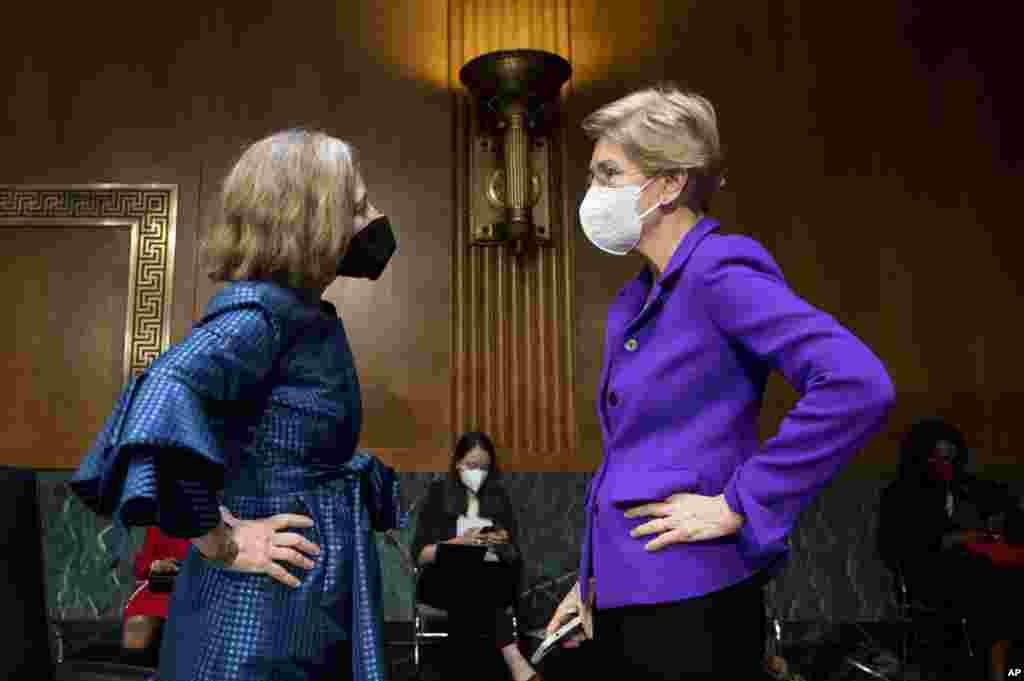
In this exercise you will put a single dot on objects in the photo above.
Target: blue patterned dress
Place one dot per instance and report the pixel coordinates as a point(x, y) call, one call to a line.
point(261, 400)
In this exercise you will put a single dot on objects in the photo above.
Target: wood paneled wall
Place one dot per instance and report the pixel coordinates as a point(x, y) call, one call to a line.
point(172, 95)
point(72, 291)
point(874, 152)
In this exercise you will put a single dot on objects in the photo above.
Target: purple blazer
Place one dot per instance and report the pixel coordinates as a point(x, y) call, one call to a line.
point(680, 392)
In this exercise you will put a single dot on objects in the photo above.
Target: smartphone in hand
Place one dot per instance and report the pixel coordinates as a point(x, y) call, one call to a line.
point(568, 629)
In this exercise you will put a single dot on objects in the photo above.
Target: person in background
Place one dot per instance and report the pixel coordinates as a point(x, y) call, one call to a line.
point(688, 514)
point(261, 402)
point(146, 609)
point(930, 515)
point(470, 508)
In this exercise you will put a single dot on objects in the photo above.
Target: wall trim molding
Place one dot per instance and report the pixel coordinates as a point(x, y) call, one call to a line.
point(150, 212)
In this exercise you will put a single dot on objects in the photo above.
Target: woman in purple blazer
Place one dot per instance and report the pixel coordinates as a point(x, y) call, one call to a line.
point(688, 514)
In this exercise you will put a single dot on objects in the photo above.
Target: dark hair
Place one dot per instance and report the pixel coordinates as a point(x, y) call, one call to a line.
point(919, 442)
point(466, 443)
point(455, 499)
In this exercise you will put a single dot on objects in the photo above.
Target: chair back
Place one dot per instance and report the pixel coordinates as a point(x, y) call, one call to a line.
point(27, 653)
point(901, 592)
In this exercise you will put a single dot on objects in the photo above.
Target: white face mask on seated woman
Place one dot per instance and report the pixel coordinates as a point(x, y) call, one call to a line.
point(473, 478)
point(473, 468)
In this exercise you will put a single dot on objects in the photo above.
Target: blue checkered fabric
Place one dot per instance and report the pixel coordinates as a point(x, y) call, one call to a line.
point(260, 403)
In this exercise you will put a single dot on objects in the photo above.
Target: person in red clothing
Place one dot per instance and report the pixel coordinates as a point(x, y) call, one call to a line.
point(936, 524)
point(146, 609)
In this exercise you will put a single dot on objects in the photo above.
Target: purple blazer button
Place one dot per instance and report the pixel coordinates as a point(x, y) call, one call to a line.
point(613, 399)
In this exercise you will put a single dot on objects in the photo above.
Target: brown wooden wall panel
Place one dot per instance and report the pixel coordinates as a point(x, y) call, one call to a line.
point(49, 229)
point(892, 242)
point(106, 95)
point(174, 98)
point(375, 75)
point(66, 290)
point(874, 152)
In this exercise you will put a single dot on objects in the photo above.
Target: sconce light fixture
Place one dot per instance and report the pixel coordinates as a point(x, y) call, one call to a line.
point(516, 92)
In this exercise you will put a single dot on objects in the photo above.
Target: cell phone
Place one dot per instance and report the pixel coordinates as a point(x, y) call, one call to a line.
point(550, 641)
point(161, 583)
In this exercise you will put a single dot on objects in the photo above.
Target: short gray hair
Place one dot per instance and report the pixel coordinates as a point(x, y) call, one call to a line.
point(665, 130)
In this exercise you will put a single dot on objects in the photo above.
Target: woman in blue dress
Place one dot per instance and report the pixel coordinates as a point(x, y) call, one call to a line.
point(242, 438)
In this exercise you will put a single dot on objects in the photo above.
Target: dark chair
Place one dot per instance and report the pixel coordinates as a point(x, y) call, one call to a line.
point(916, 616)
point(873, 659)
point(28, 652)
point(86, 670)
point(429, 623)
point(35, 648)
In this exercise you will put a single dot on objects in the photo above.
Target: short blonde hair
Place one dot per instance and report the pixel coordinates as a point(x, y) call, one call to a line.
point(665, 130)
point(287, 212)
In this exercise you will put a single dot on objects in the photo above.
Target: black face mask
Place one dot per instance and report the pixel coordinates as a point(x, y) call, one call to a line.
point(369, 251)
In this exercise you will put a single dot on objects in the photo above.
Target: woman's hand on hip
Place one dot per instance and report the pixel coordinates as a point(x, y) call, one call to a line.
point(260, 545)
point(685, 518)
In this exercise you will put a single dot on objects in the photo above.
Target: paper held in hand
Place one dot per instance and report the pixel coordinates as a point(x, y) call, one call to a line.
point(552, 640)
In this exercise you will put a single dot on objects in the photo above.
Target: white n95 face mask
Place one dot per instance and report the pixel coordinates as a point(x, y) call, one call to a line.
point(609, 217)
point(473, 478)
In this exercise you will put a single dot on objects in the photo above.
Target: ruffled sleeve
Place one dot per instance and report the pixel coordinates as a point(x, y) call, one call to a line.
point(159, 459)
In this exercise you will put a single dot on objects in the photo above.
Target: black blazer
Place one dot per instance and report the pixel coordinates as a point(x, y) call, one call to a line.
point(913, 520)
point(437, 519)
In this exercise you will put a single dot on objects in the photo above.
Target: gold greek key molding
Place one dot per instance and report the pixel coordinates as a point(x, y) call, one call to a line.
point(150, 212)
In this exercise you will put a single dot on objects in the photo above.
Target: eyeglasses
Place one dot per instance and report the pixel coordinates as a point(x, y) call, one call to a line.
point(614, 179)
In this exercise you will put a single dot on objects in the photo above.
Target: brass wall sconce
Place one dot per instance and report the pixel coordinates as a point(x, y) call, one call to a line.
point(516, 92)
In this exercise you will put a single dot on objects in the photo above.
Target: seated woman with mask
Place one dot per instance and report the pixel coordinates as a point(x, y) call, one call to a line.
point(466, 509)
point(931, 515)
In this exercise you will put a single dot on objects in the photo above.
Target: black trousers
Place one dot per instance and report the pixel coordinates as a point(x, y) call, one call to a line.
point(475, 598)
point(720, 635)
point(962, 583)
